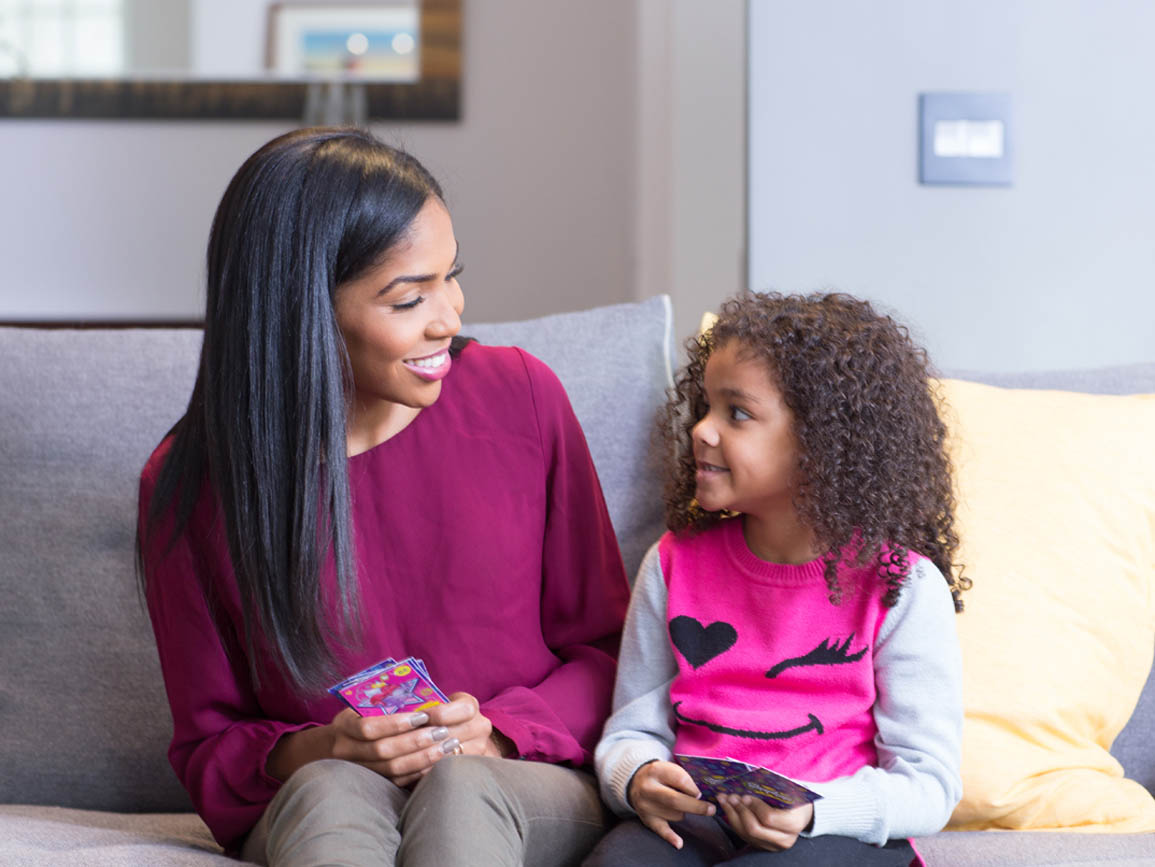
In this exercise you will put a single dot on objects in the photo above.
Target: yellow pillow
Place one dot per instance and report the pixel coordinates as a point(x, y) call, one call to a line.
point(1057, 524)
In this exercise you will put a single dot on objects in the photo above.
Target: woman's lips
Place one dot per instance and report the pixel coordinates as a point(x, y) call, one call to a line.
point(431, 367)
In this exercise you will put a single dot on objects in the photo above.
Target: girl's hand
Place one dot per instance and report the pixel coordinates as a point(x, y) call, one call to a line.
point(763, 826)
point(663, 792)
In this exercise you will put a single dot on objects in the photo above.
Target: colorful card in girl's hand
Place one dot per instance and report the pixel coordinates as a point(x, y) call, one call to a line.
point(731, 777)
point(390, 687)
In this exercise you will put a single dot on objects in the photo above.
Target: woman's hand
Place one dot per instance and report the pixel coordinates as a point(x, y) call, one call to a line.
point(473, 730)
point(402, 747)
point(763, 826)
point(663, 792)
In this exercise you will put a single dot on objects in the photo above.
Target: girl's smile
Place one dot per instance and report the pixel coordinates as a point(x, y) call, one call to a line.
point(747, 455)
point(744, 445)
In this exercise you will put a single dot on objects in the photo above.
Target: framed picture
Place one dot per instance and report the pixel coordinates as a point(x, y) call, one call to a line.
point(378, 41)
point(426, 87)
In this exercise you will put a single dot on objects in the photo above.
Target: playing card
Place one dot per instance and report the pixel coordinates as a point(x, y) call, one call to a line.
point(716, 776)
point(390, 687)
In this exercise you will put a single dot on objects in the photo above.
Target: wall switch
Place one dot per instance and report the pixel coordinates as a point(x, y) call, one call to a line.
point(965, 138)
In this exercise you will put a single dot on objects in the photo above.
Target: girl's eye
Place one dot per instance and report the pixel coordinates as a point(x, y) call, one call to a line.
point(408, 305)
point(739, 414)
point(455, 272)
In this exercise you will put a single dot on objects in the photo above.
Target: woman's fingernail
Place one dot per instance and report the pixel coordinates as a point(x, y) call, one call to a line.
point(450, 745)
point(439, 734)
point(419, 719)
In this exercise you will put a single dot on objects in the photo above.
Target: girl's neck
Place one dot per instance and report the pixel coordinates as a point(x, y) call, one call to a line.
point(779, 538)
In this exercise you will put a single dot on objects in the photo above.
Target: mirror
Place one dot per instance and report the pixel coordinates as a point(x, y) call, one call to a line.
point(322, 61)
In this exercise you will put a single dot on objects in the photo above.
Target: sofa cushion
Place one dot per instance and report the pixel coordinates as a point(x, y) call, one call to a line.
point(1028, 848)
point(54, 835)
point(1057, 521)
point(83, 718)
point(1121, 379)
point(1133, 746)
point(615, 365)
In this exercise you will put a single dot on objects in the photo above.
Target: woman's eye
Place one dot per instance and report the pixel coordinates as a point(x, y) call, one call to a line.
point(455, 272)
point(408, 305)
point(739, 414)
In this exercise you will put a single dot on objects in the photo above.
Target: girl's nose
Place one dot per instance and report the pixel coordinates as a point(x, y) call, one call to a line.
point(705, 432)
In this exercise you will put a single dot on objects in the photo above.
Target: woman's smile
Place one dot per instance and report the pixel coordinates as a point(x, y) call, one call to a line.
point(431, 367)
point(398, 319)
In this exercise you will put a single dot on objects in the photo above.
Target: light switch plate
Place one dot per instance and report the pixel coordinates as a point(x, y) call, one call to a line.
point(965, 138)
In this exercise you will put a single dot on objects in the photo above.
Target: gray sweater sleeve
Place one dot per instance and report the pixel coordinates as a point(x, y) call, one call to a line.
point(918, 711)
point(640, 728)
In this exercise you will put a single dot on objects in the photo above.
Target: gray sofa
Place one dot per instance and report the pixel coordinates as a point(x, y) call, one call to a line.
point(84, 724)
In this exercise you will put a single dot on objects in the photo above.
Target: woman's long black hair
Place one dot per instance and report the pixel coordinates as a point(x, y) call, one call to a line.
point(265, 426)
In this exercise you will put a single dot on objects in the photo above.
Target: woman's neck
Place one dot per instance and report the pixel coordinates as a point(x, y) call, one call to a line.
point(779, 538)
point(368, 427)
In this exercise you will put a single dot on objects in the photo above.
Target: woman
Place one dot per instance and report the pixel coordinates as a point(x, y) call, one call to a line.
point(349, 483)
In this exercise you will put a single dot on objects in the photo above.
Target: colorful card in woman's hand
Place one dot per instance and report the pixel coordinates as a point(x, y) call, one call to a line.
point(731, 777)
point(390, 687)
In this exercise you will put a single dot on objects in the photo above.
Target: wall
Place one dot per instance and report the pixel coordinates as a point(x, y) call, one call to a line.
point(691, 154)
point(109, 220)
point(1057, 270)
point(227, 37)
point(156, 34)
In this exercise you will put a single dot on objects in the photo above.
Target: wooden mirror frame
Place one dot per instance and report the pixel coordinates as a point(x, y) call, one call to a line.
point(437, 96)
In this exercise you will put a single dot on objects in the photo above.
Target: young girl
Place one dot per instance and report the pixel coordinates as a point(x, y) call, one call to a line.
point(799, 613)
point(351, 482)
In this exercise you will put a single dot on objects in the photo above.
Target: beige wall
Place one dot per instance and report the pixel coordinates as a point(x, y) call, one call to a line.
point(693, 154)
point(109, 219)
point(599, 159)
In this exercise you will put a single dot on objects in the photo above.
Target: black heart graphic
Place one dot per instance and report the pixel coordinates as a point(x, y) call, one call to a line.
point(699, 644)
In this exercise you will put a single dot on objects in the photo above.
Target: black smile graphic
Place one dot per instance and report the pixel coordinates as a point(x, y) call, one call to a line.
point(814, 724)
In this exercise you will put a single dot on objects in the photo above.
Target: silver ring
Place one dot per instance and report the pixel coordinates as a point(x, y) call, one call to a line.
point(458, 750)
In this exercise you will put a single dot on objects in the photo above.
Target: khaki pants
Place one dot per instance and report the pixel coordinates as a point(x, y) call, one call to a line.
point(467, 810)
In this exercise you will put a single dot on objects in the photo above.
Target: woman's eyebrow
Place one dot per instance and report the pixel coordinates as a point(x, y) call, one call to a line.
point(407, 278)
point(420, 278)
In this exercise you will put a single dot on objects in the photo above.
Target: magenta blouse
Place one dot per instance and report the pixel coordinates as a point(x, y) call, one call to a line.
point(484, 547)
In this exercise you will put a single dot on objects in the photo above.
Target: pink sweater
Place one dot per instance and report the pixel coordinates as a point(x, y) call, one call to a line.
point(794, 693)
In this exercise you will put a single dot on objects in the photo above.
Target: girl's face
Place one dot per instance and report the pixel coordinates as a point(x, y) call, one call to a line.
point(744, 445)
point(398, 317)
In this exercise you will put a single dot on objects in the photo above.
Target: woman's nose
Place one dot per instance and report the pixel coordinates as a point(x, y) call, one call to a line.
point(446, 321)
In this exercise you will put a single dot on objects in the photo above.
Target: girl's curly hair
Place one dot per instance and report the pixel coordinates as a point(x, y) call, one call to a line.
point(874, 478)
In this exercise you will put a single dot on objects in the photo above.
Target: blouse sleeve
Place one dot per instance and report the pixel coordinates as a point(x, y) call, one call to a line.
point(584, 596)
point(220, 741)
point(919, 714)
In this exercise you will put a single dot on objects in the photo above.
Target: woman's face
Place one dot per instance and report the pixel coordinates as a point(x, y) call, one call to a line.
point(398, 317)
